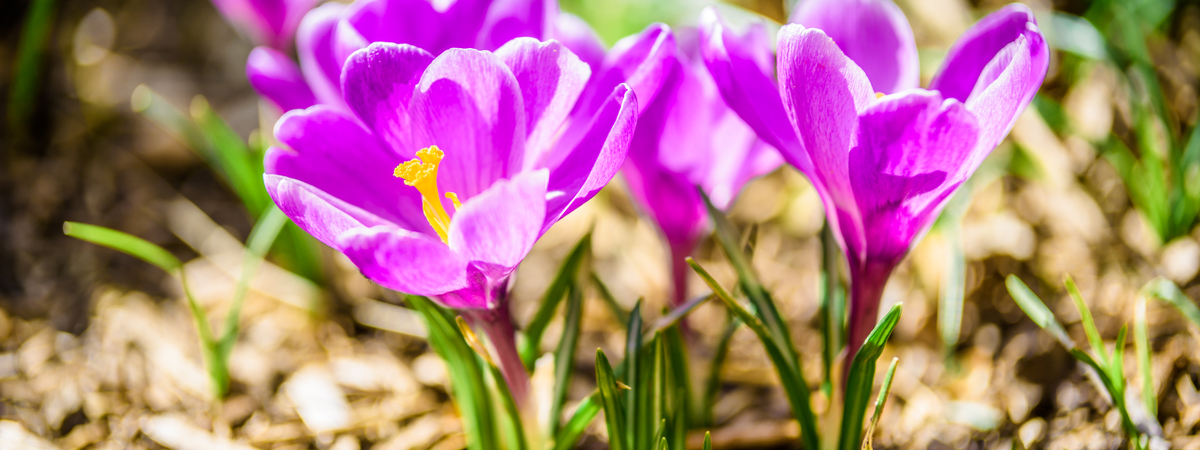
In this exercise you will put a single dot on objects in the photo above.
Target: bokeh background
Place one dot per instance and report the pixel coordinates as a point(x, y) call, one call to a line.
point(97, 349)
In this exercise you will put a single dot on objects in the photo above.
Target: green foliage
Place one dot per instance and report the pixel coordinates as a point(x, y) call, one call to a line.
point(215, 350)
point(1108, 368)
point(568, 274)
point(879, 403)
point(28, 71)
point(861, 379)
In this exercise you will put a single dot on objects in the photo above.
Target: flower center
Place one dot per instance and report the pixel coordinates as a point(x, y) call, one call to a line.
point(879, 95)
point(421, 173)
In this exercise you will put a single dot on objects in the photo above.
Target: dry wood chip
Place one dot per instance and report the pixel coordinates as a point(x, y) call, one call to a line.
point(176, 433)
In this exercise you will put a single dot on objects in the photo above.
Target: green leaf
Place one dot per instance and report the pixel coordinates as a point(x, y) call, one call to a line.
point(125, 243)
point(1169, 292)
point(764, 307)
point(468, 386)
point(28, 71)
point(793, 383)
point(265, 231)
point(712, 386)
point(1141, 341)
point(879, 403)
point(619, 313)
point(861, 378)
point(1116, 368)
point(662, 444)
point(673, 317)
point(564, 356)
point(707, 441)
point(567, 274)
point(241, 168)
point(833, 306)
point(514, 429)
point(584, 414)
point(1036, 310)
point(635, 409)
point(610, 399)
point(1089, 325)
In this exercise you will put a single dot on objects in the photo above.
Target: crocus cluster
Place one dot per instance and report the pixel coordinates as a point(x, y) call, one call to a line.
point(270, 23)
point(843, 107)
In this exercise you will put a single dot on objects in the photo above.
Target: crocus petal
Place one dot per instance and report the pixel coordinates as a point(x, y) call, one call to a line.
point(407, 262)
point(980, 44)
point(580, 38)
point(497, 228)
point(640, 61)
point(323, 216)
point(909, 159)
point(315, 47)
point(595, 160)
point(378, 83)
point(413, 22)
point(333, 153)
point(670, 200)
point(510, 19)
point(551, 79)
point(823, 91)
point(469, 104)
point(1005, 88)
point(742, 68)
point(873, 33)
point(278, 78)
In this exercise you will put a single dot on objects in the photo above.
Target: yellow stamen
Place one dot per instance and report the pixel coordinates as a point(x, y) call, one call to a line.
point(879, 95)
point(421, 173)
point(454, 198)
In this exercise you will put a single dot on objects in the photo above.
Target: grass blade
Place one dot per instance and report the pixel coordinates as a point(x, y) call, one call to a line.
point(707, 441)
point(764, 307)
point(1141, 341)
point(673, 317)
point(265, 231)
point(793, 383)
point(241, 168)
point(569, 434)
point(712, 386)
point(635, 409)
point(567, 274)
point(951, 302)
point(614, 411)
point(564, 356)
point(125, 243)
point(879, 403)
point(28, 70)
point(861, 379)
point(515, 434)
point(619, 313)
point(1169, 292)
point(1089, 325)
point(1036, 310)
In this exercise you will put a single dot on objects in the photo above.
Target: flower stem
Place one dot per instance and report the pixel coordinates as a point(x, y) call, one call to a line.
point(866, 290)
point(498, 326)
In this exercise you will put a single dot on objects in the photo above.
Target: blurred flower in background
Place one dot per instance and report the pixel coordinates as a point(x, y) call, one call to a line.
point(687, 137)
point(271, 23)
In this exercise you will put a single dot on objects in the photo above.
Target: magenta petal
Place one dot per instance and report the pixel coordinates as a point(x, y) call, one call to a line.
point(823, 91)
point(742, 68)
point(407, 262)
point(413, 22)
point(278, 78)
point(980, 44)
point(588, 166)
point(1005, 87)
point(333, 153)
point(497, 228)
point(873, 33)
point(469, 104)
point(551, 79)
point(378, 83)
point(323, 216)
point(510, 19)
point(909, 159)
point(580, 38)
point(641, 61)
point(315, 47)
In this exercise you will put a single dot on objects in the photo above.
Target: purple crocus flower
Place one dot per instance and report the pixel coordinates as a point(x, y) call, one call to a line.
point(687, 137)
point(447, 170)
point(329, 34)
point(884, 165)
point(270, 23)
